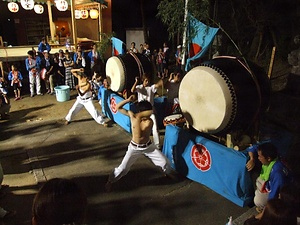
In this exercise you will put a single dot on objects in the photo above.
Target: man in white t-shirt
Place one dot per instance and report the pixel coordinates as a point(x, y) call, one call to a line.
point(147, 92)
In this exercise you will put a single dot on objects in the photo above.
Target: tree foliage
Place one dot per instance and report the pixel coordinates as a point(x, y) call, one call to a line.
point(254, 26)
point(171, 13)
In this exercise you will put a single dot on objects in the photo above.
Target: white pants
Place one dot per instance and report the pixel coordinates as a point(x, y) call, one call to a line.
point(260, 198)
point(89, 106)
point(34, 80)
point(155, 131)
point(133, 153)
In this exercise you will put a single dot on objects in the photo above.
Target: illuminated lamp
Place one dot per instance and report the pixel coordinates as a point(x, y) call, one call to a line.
point(13, 7)
point(39, 9)
point(27, 4)
point(94, 13)
point(77, 14)
point(84, 14)
point(62, 5)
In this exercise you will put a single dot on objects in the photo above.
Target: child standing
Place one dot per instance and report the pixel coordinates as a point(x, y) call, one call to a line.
point(16, 77)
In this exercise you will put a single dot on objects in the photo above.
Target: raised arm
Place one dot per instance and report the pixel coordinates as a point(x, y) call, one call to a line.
point(133, 89)
point(75, 71)
point(159, 83)
point(124, 102)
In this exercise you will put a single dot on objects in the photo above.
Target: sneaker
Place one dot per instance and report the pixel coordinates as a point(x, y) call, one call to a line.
point(40, 94)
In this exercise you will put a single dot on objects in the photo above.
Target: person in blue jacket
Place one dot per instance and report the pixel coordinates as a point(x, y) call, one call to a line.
point(43, 45)
point(273, 175)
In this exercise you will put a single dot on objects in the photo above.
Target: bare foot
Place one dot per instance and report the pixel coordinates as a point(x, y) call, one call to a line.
point(67, 122)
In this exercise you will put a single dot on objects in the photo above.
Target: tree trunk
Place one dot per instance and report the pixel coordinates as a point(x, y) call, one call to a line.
point(144, 21)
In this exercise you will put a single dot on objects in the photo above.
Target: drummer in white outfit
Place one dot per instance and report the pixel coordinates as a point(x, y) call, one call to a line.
point(140, 144)
point(84, 99)
point(146, 92)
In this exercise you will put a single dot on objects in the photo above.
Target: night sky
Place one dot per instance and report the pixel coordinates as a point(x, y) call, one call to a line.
point(127, 14)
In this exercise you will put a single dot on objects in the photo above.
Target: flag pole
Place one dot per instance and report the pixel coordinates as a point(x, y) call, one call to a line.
point(184, 35)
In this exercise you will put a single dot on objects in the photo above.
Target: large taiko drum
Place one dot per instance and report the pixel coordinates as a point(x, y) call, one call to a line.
point(223, 95)
point(121, 70)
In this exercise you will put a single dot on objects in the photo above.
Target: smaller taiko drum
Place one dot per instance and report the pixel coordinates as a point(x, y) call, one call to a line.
point(175, 119)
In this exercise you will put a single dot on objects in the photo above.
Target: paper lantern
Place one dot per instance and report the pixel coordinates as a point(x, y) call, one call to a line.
point(62, 5)
point(27, 4)
point(13, 7)
point(94, 13)
point(84, 14)
point(39, 9)
point(77, 14)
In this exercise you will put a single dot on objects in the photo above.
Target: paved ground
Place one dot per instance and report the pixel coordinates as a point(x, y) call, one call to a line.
point(36, 146)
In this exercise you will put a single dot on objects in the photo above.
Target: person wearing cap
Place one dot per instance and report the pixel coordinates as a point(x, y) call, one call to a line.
point(48, 63)
point(43, 45)
point(34, 76)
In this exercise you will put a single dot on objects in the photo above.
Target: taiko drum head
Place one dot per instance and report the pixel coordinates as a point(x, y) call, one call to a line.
point(116, 73)
point(221, 95)
point(121, 70)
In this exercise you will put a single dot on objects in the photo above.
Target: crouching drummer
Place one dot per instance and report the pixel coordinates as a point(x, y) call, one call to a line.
point(84, 98)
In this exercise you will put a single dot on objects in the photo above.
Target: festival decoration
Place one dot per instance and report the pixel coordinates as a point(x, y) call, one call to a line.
point(27, 4)
point(13, 7)
point(39, 9)
point(62, 5)
point(94, 13)
point(77, 14)
point(84, 14)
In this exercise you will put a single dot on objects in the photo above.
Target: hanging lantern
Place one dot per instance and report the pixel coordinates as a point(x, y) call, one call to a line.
point(77, 14)
point(94, 13)
point(84, 14)
point(62, 5)
point(27, 4)
point(39, 9)
point(13, 7)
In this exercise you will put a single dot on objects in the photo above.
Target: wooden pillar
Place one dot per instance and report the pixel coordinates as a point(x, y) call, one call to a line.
point(100, 21)
point(1, 67)
point(51, 24)
point(74, 28)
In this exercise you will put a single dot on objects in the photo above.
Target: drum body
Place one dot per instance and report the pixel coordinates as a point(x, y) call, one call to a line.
point(222, 95)
point(121, 70)
point(175, 119)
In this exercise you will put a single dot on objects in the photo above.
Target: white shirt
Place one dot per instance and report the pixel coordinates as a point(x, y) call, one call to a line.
point(146, 93)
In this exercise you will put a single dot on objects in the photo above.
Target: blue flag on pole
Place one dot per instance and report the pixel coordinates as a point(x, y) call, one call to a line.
point(117, 46)
point(198, 45)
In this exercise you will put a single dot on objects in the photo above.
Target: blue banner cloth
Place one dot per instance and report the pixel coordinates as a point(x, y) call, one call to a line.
point(110, 100)
point(118, 46)
point(219, 168)
point(200, 43)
